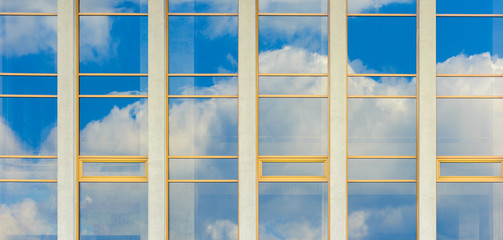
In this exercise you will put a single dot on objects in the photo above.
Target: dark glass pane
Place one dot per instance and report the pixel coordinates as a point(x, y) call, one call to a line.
point(113, 169)
point(28, 168)
point(382, 86)
point(299, 6)
point(470, 169)
point(203, 85)
point(387, 6)
point(203, 169)
point(29, 6)
point(113, 6)
point(203, 6)
point(28, 85)
point(113, 85)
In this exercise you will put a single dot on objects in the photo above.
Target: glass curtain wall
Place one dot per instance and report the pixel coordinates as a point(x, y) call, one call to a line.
point(382, 120)
point(112, 101)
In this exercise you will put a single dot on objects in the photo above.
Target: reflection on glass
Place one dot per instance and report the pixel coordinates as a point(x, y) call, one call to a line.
point(470, 169)
point(293, 169)
point(113, 169)
point(469, 45)
point(113, 6)
point(293, 126)
point(469, 127)
point(28, 210)
point(113, 126)
point(28, 126)
point(113, 211)
point(113, 44)
point(203, 126)
point(451, 86)
point(113, 85)
point(203, 6)
point(470, 7)
point(203, 85)
point(207, 168)
point(469, 211)
point(382, 86)
point(299, 48)
point(381, 169)
point(293, 85)
point(29, 6)
point(28, 168)
point(389, 6)
point(203, 211)
point(382, 211)
point(28, 43)
point(203, 44)
point(28, 85)
point(381, 127)
point(382, 45)
point(293, 211)
point(300, 6)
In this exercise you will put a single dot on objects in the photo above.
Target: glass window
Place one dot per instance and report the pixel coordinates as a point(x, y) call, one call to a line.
point(135, 169)
point(382, 169)
point(113, 85)
point(113, 6)
point(293, 169)
point(203, 6)
point(391, 86)
point(470, 169)
point(388, 6)
point(28, 168)
point(28, 85)
point(203, 168)
point(299, 6)
point(215, 85)
point(29, 6)
point(470, 7)
point(293, 85)
point(482, 86)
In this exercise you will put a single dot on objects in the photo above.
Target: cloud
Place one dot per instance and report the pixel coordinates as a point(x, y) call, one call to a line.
point(222, 230)
point(292, 60)
point(38, 6)
point(390, 221)
point(10, 143)
point(23, 219)
point(291, 230)
point(357, 226)
point(482, 63)
point(220, 6)
point(114, 6)
point(293, 6)
point(95, 40)
point(360, 6)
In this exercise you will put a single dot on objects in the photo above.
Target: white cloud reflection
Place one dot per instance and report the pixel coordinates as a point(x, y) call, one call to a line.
point(360, 6)
point(23, 219)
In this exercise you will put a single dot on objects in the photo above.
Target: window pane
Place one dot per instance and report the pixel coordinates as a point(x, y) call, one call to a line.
point(113, 126)
point(382, 86)
point(293, 126)
point(293, 211)
point(470, 169)
point(203, 211)
point(390, 6)
point(381, 169)
point(199, 169)
point(203, 85)
point(29, 168)
point(29, 44)
point(299, 6)
point(469, 45)
point(113, 211)
point(381, 127)
point(28, 85)
point(113, 169)
point(470, 7)
point(203, 44)
point(382, 211)
point(293, 44)
point(203, 6)
point(113, 44)
point(382, 45)
point(452, 86)
point(293, 85)
point(28, 210)
point(203, 127)
point(28, 126)
point(113, 6)
point(469, 127)
point(293, 169)
point(113, 85)
point(29, 6)
point(469, 210)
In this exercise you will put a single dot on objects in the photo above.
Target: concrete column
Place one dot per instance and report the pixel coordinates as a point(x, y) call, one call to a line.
point(157, 114)
point(247, 120)
point(67, 120)
point(427, 121)
point(337, 67)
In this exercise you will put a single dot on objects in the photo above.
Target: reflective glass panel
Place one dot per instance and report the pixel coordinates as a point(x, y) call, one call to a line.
point(382, 211)
point(470, 169)
point(207, 168)
point(113, 169)
point(451, 86)
point(470, 7)
point(28, 211)
point(28, 168)
point(293, 126)
point(113, 6)
point(203, 211)
point(293, 169)
point(469, 211)
point(203, 6)
point(29, 6)
point(113, 126)
point(293, 211)
point(28, 126)
point(203, 85)
point(113, 211)
point(469, 127)
point(381, 169)
point(113, 44)
point(203, 127)
point(113, 85)
point(28, 85)
point(297, 6)
point(381, 127)
point(203, 44)
point(387, 6)
point(293, 85)
point(28, 43)
point(469, 45)
point(382, 86)
point(382, 45)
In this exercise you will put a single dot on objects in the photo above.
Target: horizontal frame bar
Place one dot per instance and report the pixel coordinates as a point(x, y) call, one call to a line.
point(113, 14)
point(380, 75)
point(26, 14)
point(28, 156)
point(111, 157)
point(113, 179)
point(470, 157)
point(468, 15)
point(471, 96)
point(382, 15)
point(202, 74)
point(381, 96)
point(201, 14)
point(113, 74)
point(293, 74)
point(381, 157)
point(30, 74)
point(27, 96)
point(113, 96)
point(383, 181)
point(295, 14)
point(30, 180)
point(293, 179)
point(293, 96)
point(469, 75)
point(203, 96)
point(201, 181)
point(200, 157)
